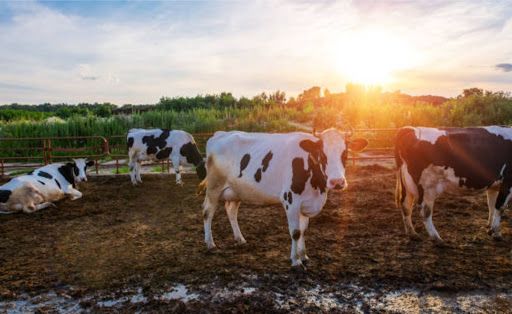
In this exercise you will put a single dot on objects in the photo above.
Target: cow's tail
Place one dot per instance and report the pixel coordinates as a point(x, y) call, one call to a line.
point(201, 188)
point(399, 188)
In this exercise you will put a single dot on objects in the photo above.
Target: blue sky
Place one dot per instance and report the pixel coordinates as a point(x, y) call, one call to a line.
point(137, 51)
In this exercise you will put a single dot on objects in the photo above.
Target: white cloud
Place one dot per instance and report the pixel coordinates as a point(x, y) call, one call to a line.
point(243, 47)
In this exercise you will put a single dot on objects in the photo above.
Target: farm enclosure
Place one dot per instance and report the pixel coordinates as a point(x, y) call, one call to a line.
point(123, 247)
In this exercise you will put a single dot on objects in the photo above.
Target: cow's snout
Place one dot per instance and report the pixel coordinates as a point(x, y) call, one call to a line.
point(338, 184)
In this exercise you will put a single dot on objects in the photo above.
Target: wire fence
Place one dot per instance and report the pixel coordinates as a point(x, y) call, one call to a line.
point(23, 154)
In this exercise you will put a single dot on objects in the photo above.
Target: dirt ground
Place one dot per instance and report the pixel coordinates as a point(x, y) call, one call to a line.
point(122, 249)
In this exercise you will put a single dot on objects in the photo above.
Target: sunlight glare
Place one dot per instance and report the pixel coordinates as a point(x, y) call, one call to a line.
point(372, 57)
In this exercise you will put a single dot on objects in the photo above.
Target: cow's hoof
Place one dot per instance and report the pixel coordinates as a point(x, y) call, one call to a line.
point(179, 183)
point(300, 268)
point(497, 237)
point(414, 237)
point(52, 205)
point(438, 242)
point(240, 241)
point(211, 246)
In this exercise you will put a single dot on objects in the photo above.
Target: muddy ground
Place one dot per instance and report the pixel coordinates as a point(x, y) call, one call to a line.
point(124, 249)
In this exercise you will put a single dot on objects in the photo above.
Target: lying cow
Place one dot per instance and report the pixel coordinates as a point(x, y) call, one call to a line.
point(295, 170)
point(159, 144)
point(42, 187)
point(431, 161)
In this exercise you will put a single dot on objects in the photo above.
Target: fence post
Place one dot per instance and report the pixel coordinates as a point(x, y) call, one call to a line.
point(117, 166)
point(96, 165)
point(44, 152)
point(49, 149)
point(2, 167)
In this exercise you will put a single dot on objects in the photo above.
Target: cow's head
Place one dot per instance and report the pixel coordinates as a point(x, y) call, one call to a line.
point(80, 168)
point(328, 155)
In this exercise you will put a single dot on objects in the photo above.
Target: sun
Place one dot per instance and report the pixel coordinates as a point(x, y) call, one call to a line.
point(372, 57)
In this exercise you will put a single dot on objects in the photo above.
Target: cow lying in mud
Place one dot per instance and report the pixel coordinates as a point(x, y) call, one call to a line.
point(42, 187)
point(159, 144)
point(431, 161)
point(294, 169)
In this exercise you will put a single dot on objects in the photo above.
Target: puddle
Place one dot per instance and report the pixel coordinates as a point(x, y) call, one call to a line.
point(323, 298)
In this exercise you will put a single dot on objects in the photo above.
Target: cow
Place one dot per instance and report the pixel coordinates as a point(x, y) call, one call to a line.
point(295, 170)
point(43, 186)
point(160, 144)
point(431, 161)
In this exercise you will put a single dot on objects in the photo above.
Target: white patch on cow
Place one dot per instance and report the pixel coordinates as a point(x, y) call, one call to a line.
point(428, 134)
point(504, 132)
point(438, 179)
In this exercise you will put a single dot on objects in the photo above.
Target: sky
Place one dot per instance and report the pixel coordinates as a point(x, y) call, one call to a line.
point(134, 52)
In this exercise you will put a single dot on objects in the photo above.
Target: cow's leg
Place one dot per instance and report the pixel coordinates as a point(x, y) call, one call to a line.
point(407, 207)
point(406, 191)
point(427, 210)
point(45, 205)
point(232, 211)
point(176, 165)
point(492, 195)
point(209, 206)
point(301, 247)
point(293, 216)
point(73, 194)
point(501, 201)
point(138, 167)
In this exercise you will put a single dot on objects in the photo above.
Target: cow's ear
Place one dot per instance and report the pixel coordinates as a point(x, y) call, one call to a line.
point(310, 146)
point(90, 163)
point(357, 145)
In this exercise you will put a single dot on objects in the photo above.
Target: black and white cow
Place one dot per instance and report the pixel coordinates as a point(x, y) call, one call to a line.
point(37, 190)
point(159, 144)
point(293, 169)
point(433, 160)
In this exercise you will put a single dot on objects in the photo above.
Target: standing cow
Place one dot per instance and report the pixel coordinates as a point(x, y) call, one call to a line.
point(433, 160)
point(37, 190)
point(293, 169)
point(159, 144)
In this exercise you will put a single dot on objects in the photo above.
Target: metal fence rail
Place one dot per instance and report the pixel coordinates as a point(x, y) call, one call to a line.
point(112, 151)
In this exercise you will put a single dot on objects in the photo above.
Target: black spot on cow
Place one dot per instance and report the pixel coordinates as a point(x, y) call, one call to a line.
point(421, 193)
point(317, 162)
point(164, 153)
point(130, 142)
point(193, 156)
point(318, 177)
point(286, 206)
point(296, 234)
point(58, 184)
point(285, 196)
point(41, 182)
point(243, 163)
point(154, 144)
point(67, 172)
point(76, 170)
point(290, 199)
point(4, 195)
point(257, 175)
point(300, 175)
point(45, 175)
point(266, 160)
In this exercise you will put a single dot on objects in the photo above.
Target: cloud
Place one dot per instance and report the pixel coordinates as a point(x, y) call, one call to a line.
point(138, 53)
point(504, 67)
